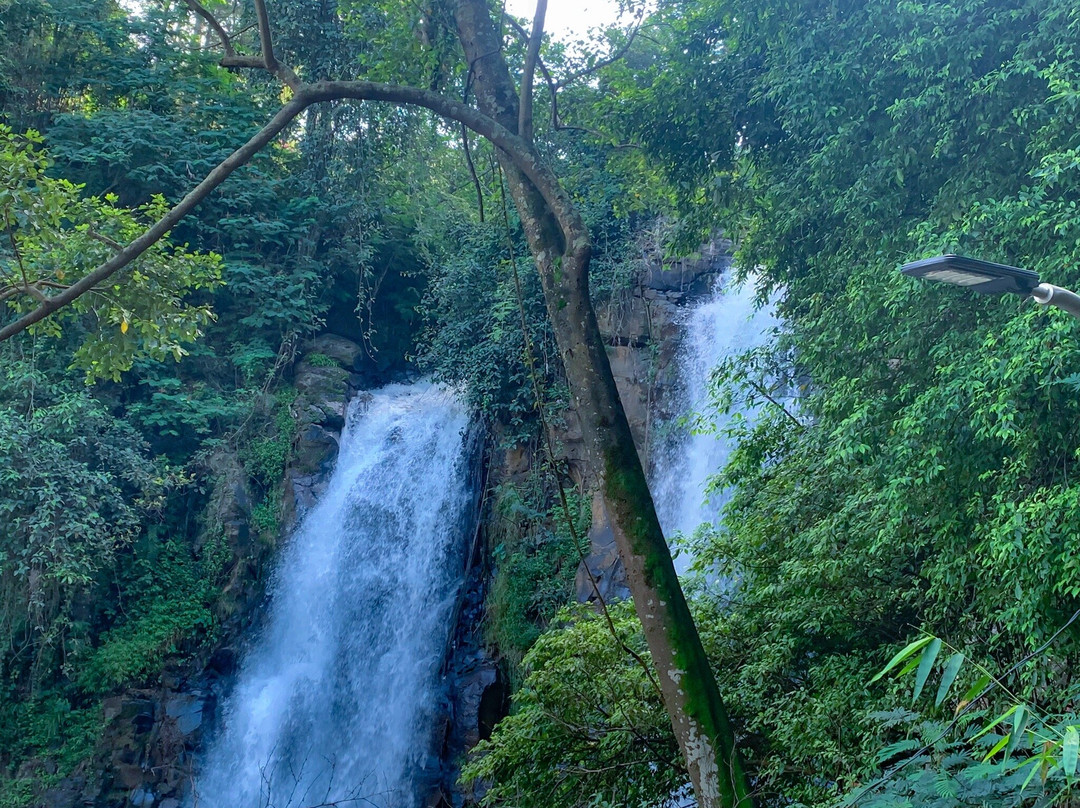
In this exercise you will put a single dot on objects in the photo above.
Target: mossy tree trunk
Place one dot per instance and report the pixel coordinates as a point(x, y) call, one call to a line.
point(559, 243)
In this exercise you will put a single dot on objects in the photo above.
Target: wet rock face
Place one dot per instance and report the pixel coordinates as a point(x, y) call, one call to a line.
point(230, 500)
point(325, 381)
point(345, 352)
point(641, 329)
point(477, 696)
point(600, 576)
point(145, 757)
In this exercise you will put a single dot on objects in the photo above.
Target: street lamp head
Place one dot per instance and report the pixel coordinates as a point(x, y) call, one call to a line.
point(979, 276)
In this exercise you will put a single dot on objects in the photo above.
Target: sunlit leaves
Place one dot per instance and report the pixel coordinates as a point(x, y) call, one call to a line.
point(588, 728)
point(53, 236)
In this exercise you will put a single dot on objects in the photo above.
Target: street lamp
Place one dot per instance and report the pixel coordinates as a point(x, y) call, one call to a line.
point(993, 279)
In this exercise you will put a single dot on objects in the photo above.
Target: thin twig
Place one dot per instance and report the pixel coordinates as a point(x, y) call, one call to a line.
point(213, 22)
point(472, 171)
point(765, 394)
point(553, 92)
point(612, 59)
point(108, 242)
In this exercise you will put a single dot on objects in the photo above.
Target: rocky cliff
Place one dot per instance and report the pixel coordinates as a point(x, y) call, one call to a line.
point(152, 734)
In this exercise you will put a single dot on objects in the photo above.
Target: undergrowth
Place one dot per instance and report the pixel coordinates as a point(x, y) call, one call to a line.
point(535, 560)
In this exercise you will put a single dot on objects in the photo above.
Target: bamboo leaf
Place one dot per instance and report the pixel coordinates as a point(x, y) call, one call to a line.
point(995, 722)
point(902, 655)
point(1031, 774)
point(926, 664)
point(977, 688)
point(1069, 748)
point(1020, 722)
point(997, 747)
point(909, 666)
point(952, 668)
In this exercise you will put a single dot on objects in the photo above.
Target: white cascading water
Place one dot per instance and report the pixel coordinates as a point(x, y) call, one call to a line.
point(725, 323)
point(336, 701)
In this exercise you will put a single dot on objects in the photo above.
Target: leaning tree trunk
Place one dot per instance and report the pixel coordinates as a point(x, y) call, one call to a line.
point(689, 689)
point(559, 243)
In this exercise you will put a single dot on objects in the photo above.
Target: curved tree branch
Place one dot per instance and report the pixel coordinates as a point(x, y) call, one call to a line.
point(213, 22)
point(553, 90)
point(158, 230)
point(519, 151)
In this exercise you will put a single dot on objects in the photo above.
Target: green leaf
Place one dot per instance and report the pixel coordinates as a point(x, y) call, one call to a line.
point(977, 688)
point(995, 722)
point(1020, 722)
point(929, 656)
point(902, 655)
point(1034, 761)
point(997, 747)
point(952, 668)
point(1069, 748)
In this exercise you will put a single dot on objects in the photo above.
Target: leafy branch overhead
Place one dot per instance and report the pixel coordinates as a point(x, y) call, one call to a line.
point(301, 96)
point(53, 235)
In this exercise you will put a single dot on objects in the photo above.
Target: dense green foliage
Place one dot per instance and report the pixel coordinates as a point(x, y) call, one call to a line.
point(75, 488)
point(930, 482)
point(54, 235)
point(588, 727)
point(925, 479)
point(535, 554)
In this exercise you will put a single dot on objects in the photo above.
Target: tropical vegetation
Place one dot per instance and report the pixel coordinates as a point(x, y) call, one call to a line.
point(903, 535)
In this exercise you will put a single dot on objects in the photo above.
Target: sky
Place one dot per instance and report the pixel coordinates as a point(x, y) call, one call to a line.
point(569, 19)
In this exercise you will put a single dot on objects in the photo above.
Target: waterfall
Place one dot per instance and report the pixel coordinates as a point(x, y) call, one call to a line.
point(723, 324)
point(336, 701)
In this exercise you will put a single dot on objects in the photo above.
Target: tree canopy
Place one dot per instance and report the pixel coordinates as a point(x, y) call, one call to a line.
point(923, 481)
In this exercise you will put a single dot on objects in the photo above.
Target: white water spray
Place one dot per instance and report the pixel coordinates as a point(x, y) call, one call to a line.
point(725, 323)
point(336, 701)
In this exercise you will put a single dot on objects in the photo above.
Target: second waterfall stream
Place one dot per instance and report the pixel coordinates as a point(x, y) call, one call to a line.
point(336, 700)
point(723, 324)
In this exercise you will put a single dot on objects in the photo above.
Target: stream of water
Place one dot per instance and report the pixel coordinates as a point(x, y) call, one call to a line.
point(723, 324)
point(336, 700)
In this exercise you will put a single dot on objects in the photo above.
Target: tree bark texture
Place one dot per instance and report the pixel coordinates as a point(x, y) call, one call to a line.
point(559, 242)
point(689, 689)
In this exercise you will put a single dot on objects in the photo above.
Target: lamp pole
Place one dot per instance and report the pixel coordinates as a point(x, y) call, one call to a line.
point(1046, 294)
point(989, 278)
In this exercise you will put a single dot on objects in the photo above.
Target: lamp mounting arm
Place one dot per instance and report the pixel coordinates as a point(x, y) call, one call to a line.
point(1046, 294)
